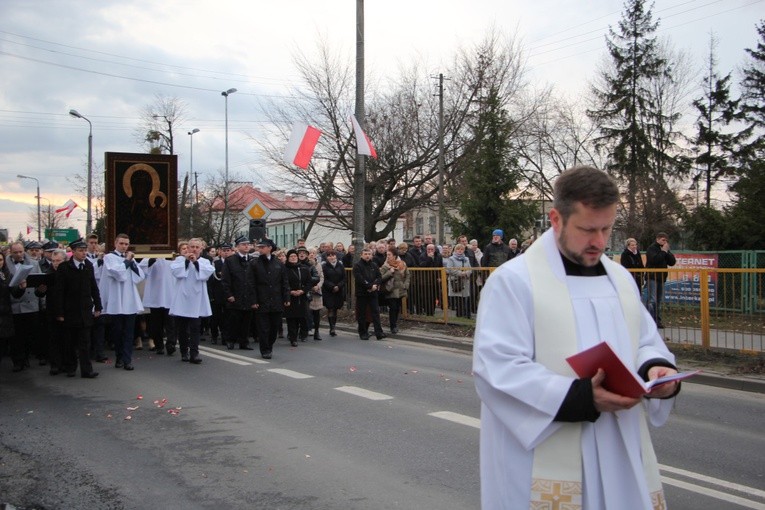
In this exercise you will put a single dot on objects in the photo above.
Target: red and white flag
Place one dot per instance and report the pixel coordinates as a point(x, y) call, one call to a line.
point(363, 143)
point(30, 228)
point(68, 207)
point(302, 143)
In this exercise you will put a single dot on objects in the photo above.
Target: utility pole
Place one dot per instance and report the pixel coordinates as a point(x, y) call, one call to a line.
point(441, 208)
point(360, 174)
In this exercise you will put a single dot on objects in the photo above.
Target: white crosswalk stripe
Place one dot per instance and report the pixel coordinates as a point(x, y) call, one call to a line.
point(457, 418)
point(230, 356)
point(290, 373)
point(361, 392)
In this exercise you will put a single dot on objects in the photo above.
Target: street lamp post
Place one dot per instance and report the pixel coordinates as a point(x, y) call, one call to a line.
point(39, 235)
point(89, 219)
point(191, 174)
point(225, 95)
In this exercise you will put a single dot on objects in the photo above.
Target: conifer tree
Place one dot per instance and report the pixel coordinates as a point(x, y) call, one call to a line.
point(623, 104)
point(714, 148)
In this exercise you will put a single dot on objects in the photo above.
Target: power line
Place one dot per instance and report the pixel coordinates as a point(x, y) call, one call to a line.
point(227, 74)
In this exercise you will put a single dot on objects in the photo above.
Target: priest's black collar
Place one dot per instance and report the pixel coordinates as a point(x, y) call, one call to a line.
point(574, 269)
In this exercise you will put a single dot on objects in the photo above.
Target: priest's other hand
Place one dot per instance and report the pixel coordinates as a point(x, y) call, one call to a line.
point(663, 390)
point(606, 401)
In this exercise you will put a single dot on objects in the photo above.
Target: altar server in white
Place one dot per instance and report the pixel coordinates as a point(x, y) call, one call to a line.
point(547, 436)
point(191, 301)
point(120, 299)
point(158, 294)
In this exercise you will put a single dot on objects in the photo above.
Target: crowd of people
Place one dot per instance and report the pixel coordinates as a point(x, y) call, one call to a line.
point(230, 293)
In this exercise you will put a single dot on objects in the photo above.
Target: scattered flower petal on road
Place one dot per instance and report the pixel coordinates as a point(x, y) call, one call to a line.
point(132, 408)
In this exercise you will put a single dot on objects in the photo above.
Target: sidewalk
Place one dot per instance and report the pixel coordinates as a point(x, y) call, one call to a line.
point(752, 383)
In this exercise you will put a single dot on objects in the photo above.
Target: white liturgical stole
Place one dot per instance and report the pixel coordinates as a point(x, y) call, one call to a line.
point(557, 468)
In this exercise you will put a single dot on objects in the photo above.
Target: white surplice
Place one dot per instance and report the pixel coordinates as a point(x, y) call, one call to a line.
point(119, 295)
point(160, 286)
point(520, 397)
point(191, 299)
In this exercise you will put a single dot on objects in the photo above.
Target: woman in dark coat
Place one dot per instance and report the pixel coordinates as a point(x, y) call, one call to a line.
point(631, 259)
point(333, 289)
point(300, 283)
point(6, 314)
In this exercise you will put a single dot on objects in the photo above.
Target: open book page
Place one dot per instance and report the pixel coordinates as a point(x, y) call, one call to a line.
point(619, 378)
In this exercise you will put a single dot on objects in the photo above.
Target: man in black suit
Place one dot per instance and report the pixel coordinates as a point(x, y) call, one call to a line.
point(217, 297)
point(238, 296)
point(76, 303)
point(268, 282)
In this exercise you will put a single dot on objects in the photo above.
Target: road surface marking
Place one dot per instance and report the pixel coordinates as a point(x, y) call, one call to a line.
point(713, 493)
point(224, 358)
point(290, 373)
point(457, 418)
point(361, 392)
point(228, 356)
point(714, 481)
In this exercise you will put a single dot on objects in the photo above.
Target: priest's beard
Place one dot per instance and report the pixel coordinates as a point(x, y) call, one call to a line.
point(587, 257)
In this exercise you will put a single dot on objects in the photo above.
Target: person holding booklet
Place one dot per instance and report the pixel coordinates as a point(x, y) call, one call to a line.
point(547, 434)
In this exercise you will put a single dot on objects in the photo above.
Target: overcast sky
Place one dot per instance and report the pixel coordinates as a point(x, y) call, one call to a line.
point(107, 59)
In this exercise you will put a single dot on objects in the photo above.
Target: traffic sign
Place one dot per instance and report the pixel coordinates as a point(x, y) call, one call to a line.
point(257, 210)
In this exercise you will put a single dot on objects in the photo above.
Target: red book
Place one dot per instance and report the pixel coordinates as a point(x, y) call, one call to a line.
point(619, 379)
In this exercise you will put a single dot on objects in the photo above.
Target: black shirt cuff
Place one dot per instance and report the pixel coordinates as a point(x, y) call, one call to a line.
point(579, 404)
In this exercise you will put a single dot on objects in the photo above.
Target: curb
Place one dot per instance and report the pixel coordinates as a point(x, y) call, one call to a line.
point(706, 379)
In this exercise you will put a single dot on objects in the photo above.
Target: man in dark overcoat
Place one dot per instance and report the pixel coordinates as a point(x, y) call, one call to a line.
point(238, 312)
point(271, 294)
point(76, 302)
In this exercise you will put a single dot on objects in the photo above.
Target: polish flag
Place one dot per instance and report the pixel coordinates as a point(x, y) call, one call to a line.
point(363, 143)
point(68, 207)
point(302, 143)
point(30, 228)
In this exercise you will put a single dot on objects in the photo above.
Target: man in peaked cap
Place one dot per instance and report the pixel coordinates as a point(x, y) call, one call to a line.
point(76, 301)
point(215, 292)
point(238, 313)
point(270, 295)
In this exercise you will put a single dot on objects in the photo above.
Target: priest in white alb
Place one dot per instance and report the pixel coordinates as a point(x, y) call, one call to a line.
point(550, 439)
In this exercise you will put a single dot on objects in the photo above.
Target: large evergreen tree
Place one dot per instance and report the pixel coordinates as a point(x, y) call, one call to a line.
point(489, 174)
point(753, 97)
point(624, 106)
point(714, 148)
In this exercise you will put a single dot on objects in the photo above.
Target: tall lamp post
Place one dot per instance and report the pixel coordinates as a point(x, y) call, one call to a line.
point(225, 95)
point(39, 235)
point(191, 174)
point(89, 219)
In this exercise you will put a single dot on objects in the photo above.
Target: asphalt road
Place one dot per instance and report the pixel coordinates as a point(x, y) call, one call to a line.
point(335, 424)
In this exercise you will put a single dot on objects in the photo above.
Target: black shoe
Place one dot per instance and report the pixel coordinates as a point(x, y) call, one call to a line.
point(160, 351)
point(195, 361)
point(332, 332)
point(71, 374)
point(184, 357)
point(170, 351)
point(364, 336)
point(293, 343)
point(129, 367)
point(42, 362)
point(54, 371)
point(214, 341)
point(394, 331)
point(91, 375)
point(119, 364)
point(381, 336)
point(102, 359)
point(317, 338)
point(659, 326)
point(280, 335)
point(266, 355)
point(246, 348)
point(230, 347)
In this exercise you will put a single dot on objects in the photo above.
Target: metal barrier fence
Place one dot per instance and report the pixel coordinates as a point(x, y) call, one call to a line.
point(713, 308)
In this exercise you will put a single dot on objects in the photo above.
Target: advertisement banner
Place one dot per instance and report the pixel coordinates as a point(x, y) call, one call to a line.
point(685, 287)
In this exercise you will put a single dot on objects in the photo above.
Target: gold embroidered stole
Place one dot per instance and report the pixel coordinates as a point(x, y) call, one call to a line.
point(556, 482)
